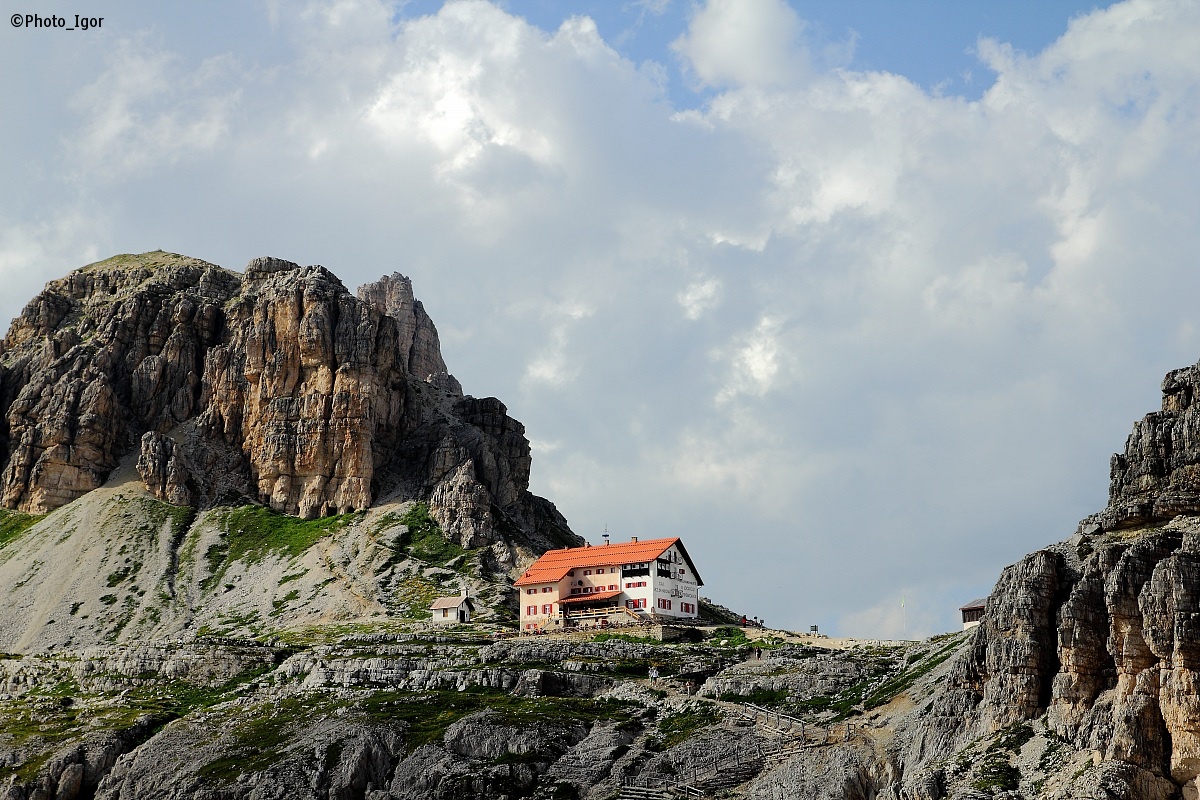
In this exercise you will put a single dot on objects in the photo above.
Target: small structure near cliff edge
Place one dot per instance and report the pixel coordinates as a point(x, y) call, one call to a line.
point(612, 582)
point(452, 610)
point(972, 613)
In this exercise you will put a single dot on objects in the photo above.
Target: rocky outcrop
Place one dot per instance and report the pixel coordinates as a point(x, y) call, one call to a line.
point(1158, 475)
point(276, 385)
point(420, 348)
point(799, 679)
point(165, 472)
point(1098, 637)
point(325, 758)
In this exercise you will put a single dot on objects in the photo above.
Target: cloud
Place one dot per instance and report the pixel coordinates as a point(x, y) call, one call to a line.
point(898, 618)
point(754, 362)
point(142, 112)
point(843, 334)
point(699, 297)
point(744, 43)
point(36, 251)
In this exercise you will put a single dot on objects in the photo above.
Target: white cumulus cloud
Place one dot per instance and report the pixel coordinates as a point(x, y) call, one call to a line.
point(874, 334)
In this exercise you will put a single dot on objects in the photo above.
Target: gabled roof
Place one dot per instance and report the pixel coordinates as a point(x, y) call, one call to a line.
point(555, 564)
point(974, 604)
point(451, 602)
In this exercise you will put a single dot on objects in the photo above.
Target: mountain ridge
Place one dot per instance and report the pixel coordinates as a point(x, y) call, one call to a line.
point(223, 650)
point(276, 386)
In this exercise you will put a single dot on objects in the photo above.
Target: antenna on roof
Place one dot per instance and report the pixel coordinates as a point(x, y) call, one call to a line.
point(606, 534)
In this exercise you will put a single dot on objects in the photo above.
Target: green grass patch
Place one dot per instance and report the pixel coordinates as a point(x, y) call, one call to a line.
point(413, 594)
point(258, 741)
point(913, 670)
point(119, 575)
point(278, 606)
point(254, 532)
point(997, 774)
point(251, 533)
point(676, 728)
point(13, 524)
point(995, 771)
point(1012, 738)
point(151, 261)
point(425, 539)
point(813, 705)
point(735, 637)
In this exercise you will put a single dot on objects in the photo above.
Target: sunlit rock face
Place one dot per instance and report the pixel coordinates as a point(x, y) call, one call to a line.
point(276, 384)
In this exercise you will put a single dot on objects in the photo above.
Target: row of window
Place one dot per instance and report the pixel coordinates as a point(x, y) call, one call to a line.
point(599, 571)
point(663, 603)
point(687, 608)
point(612, 587)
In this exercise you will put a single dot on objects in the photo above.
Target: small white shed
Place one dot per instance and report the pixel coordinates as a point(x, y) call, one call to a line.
point(451, 610)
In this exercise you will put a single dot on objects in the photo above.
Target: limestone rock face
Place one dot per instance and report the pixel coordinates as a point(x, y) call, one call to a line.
point(276, 385)
point(1158, 475)
point(1099, 636)
point(420, 348)
point(164, 471)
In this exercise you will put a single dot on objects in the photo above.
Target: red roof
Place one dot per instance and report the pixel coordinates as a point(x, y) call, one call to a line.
point(555, 564)
point(584, 598)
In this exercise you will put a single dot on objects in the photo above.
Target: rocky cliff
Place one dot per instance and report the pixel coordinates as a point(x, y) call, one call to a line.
point(1097, 639)
point(275, 385)
point(259, 655)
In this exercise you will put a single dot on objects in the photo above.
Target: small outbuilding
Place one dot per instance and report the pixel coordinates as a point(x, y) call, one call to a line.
point(452, 610)
point(972, 613)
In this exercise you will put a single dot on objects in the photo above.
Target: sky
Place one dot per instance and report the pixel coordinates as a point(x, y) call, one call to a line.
point(858, 298)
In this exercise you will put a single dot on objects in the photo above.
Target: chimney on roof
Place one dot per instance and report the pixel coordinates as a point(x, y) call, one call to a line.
point(633, 539)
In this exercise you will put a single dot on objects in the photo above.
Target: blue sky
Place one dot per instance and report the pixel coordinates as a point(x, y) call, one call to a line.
point(776, 278)
point(930, 42)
